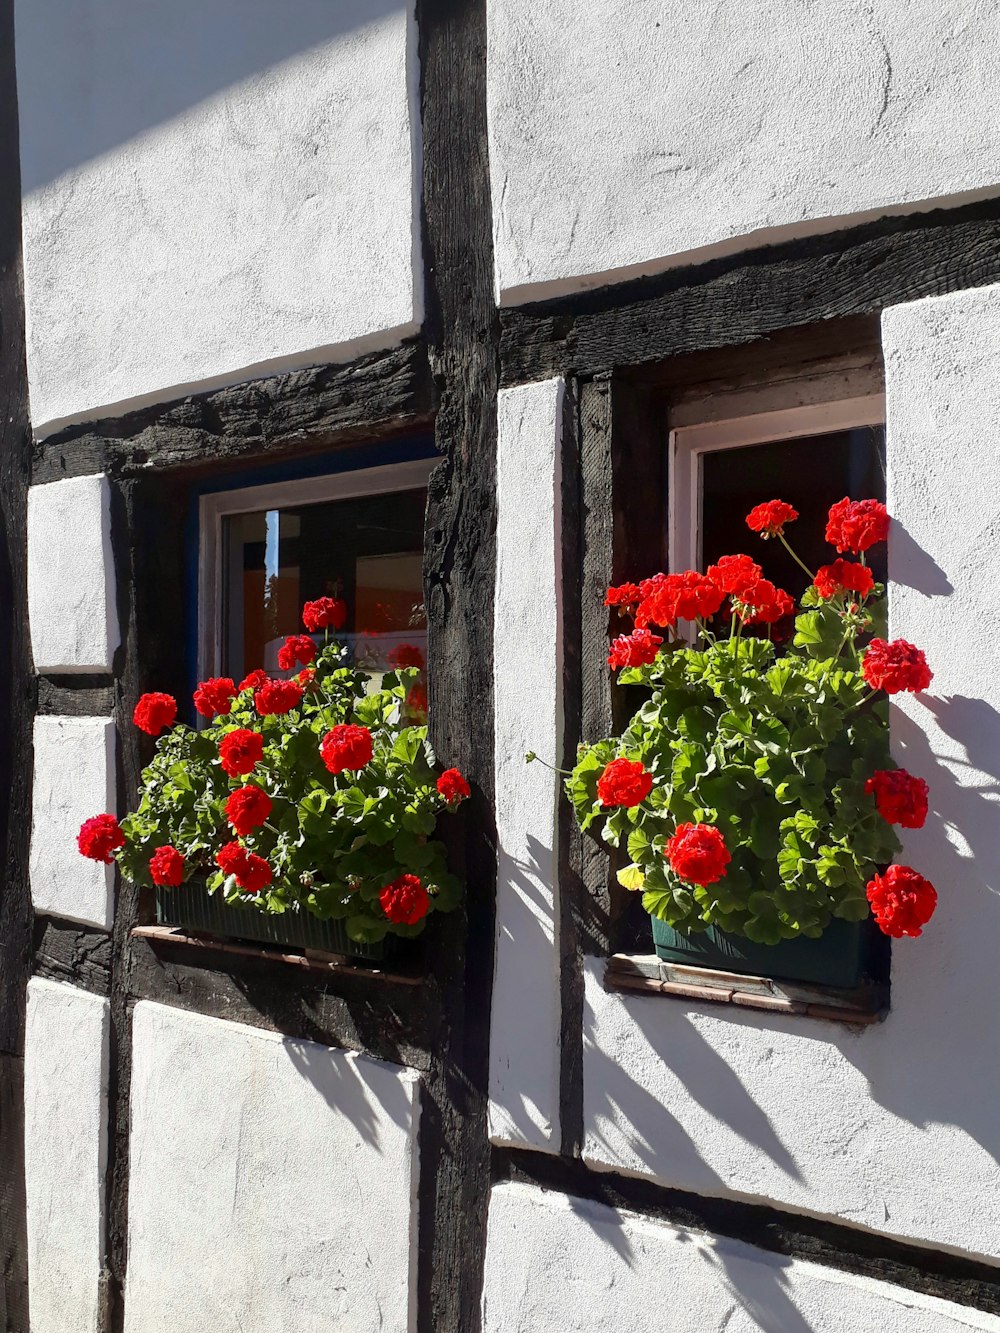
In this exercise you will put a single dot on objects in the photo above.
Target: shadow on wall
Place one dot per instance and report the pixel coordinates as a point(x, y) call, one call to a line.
point(93, 74)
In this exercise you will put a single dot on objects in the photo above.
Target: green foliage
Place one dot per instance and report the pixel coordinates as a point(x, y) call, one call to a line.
point(774, 751)
point(332, 841)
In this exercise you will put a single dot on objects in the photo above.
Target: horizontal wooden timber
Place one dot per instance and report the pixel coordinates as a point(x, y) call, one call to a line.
point(75, 696)
point(951, 1277)
point(298, 411)
point(747, 297)
point(70, 952)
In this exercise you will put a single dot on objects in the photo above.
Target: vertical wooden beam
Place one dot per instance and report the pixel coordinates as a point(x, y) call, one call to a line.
point(459, 574)
point(16, 700)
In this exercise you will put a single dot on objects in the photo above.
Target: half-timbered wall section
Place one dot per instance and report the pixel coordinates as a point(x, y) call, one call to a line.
point(243, 243)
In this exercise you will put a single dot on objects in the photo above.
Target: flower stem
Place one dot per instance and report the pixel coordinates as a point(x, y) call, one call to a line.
point(531, 758)
point(801, 564)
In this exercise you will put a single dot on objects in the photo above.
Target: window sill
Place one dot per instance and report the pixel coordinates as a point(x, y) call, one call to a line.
point(645, 974)
point(312, 963)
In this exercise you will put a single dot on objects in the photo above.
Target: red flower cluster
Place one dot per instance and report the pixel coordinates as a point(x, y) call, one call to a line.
point(899, 797)
point(240, 751)
point(155, 712)
point(636, 649)
point(453, 787)
point(667, 598)
point(214, 697)
point(844, 576)
point(901, 901)
point(99, 837)
point(252, 872)
point(405, 901)
point(405, 655)
point(416, 701)
point(895, 667)
point(735, 574)
point(624, 782)
point(626, 594)
point(297, 650)
point(247, 808)
point(254, 680)
point(324, 613)
point(854, 525)
point(763, 604)
point(698, 853)
point(346, 747)
point(306, 677)
point(277, 696)
point(769, 519)
point(166, 867)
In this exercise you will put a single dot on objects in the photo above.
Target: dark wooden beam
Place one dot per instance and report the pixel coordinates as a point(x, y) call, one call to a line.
point(459, 576)
point(75, 696)
point(297, 412)
point(16, 701)
point(70, 952)
point(747, 297)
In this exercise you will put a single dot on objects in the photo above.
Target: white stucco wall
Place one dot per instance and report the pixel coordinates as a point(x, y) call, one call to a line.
point(74, 779)
point(524, 1029)
point(894, 1127)
point(65, 1149)
point(72, 610)
point(566, 1265)
point(210, 189)
point(629, 135)
point(272, 1183)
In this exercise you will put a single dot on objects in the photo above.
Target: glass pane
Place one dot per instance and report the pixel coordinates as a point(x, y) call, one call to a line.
point(367, 551)
point(811, 473)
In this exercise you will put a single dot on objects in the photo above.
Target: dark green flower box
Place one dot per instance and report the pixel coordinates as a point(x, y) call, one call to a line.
point(192, 907)
point(847, 954)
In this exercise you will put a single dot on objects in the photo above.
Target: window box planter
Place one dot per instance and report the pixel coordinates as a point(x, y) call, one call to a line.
point(190, 906)
point(846, 955)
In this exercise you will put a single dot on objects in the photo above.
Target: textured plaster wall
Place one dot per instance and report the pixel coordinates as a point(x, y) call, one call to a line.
point(631, 134)
point(66, 1114)
point(566, 1265)
point(524, 1032)
point(272, 1183)
point(895, 1127)
point(74, 778)
point(71, 576)
point(212, 188)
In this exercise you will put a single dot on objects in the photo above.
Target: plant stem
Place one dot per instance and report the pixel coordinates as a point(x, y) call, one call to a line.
point(531, 758)
point(801, 564)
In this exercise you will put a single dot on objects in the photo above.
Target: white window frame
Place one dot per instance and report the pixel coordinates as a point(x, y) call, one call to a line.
point(688, 445)
point(216, 506)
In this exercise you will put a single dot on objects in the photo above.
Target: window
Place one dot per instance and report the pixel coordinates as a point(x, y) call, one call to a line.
point(267, 549)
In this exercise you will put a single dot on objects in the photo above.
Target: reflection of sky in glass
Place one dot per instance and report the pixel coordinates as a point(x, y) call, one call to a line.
point(272, 548)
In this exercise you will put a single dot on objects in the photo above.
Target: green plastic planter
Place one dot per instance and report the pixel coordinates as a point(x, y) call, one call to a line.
point(192, 907)
point(847, 955)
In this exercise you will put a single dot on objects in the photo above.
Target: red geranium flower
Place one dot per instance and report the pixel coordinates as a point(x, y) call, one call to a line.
point(453, 787)
point(346, 747)
point(405, 901)
point(214, 697)
point(166, 866)
point(624, 782)
point(769, 518)
point(252, 872)
point(896, 666)
point(763, 604)
point(240, 750)
point(99, 837)
point(277, 696)
point(324, 613)
point(636, 649)
point(306, 677)
point(405, 655)
point(667, 598)
point(899, 797)
point(298, 649)
point(734, 574)
point(626, 594)
point(844, 576)
point(698, 853)
point(155, 712)
point(854, 525)
point(254, 680)
point(901, 901)
point(248, 808)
